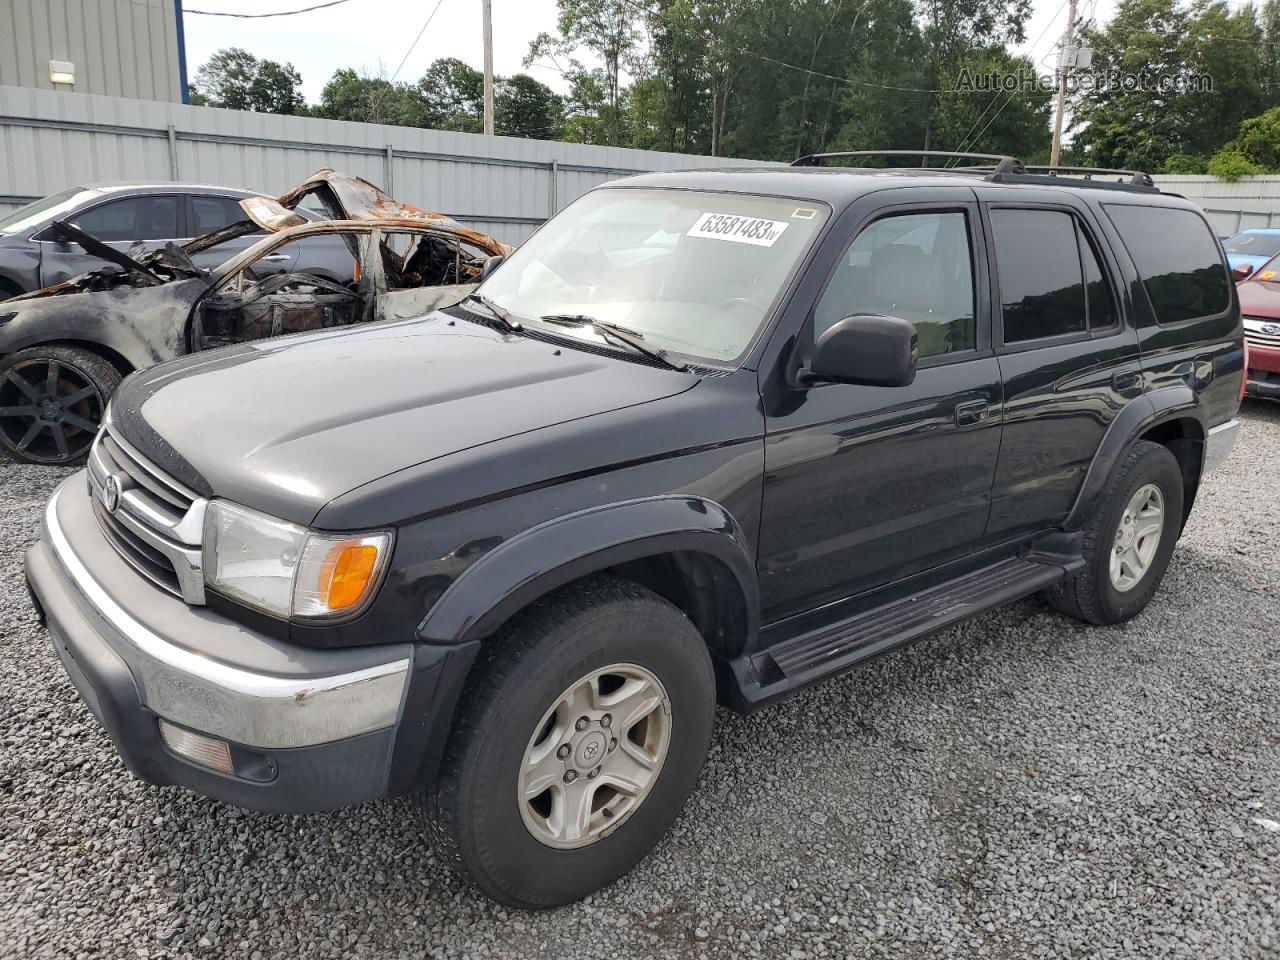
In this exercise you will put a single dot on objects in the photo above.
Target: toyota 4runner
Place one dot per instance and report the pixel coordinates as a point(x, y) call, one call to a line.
point(708, 436)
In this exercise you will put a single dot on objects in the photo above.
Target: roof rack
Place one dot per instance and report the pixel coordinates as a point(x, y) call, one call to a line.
point(1134, 178)
point(999, 163)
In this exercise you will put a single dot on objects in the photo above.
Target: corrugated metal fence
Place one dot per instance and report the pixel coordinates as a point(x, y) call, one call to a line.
point(1231, 207)
point(504, 186)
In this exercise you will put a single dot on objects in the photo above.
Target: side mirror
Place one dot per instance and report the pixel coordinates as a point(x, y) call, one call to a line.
point(1242, 272)
point(490, 265)
point(871, 350)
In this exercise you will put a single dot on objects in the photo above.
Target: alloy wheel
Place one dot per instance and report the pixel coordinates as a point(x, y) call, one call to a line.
point(594, 756)
point(1137, 538)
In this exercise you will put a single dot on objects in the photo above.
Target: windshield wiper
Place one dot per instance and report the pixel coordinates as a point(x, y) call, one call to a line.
point(501, 314)
point(631, 338)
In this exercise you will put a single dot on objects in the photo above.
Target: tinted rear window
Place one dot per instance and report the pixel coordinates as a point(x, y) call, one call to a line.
point(1178, 257)
point(1041, 286)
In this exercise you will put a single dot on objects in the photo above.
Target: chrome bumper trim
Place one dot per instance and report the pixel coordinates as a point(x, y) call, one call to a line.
point(254, 709)
point(1220, 441)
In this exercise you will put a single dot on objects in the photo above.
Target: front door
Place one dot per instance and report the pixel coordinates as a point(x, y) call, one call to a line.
point(151, 220)
point(866, 485)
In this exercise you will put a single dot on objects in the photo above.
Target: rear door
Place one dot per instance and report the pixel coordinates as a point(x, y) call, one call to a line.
point(150, 219)
point(867, 485)
point(208, 212)
point(1068, 358)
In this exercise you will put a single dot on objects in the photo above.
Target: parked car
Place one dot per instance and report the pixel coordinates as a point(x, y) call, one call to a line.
point(137, 217)
point(1250, 249)
point(1260, 305)
point(64, 349)
point(713, 435)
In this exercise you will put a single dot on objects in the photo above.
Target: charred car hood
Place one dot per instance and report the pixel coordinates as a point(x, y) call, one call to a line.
point(284, 426)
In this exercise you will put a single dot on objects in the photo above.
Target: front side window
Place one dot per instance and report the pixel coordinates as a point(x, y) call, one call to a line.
point(133, 218)
point(1038, 264)
point(693, 273)
point(917, 267)
point(1178, 258)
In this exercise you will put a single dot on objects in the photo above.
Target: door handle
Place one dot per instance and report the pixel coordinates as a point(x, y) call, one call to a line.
point(971, 413)
point(275, 257)
point(1125, 380)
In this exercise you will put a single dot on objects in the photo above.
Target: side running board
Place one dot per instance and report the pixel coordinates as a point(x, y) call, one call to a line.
point(835, 648)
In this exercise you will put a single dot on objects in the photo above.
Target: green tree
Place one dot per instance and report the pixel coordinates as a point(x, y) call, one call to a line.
point(606, 28)
point(1255, 150)
point(236, 79)
point(453, 96)
point(351, 96)
point(524, 107)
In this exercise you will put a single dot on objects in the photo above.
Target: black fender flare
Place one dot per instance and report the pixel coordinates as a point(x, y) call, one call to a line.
point(1139, 415)
point(558, 551)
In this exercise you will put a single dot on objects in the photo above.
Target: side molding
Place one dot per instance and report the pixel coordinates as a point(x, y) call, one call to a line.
point(1136, 417)
point(559, 551)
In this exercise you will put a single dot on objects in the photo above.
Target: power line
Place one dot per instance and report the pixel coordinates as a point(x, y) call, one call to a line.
point(257, 16)
point(827, 76)
point(965, 143)
point(426, 23)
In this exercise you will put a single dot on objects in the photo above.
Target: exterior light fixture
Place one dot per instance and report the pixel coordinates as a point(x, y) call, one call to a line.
point(62, 71)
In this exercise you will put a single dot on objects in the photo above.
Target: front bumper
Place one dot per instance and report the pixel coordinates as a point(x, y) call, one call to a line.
point(308, 729)
point(1264, 372)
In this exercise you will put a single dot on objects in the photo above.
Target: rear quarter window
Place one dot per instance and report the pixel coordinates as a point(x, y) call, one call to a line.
point(1178, 258)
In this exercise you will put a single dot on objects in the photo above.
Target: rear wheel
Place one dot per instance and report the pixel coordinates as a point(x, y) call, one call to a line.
point(1129, 540)
point(52, 399)
point(580, 735)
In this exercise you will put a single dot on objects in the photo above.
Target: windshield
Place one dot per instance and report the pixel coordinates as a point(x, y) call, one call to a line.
point(1255, 244)
point(692, 273)
point(37, 211)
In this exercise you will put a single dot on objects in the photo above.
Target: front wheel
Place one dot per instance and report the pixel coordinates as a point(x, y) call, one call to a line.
point(581, 733)
point(52, 399)
point(1129, 540)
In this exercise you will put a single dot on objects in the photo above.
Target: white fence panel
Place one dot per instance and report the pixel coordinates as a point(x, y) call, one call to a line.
point(505, 186)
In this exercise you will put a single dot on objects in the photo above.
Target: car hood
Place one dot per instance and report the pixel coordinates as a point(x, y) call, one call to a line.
point(286, 425)
point(1259, 298)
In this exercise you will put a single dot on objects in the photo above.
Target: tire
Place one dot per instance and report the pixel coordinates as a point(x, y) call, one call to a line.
point(477, 813)
point(51, 402)
point(1096, 595)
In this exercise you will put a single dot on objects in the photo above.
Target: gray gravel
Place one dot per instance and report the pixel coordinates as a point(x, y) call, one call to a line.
point(1022, 786)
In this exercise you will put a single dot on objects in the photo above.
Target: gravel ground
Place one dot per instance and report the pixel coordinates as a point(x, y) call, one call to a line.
point(1022, 786)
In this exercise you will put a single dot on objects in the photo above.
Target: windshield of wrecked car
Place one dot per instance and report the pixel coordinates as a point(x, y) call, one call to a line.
point(693, 273)
point(38, 211)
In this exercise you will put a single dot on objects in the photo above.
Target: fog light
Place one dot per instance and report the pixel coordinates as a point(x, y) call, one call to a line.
point(196, 747)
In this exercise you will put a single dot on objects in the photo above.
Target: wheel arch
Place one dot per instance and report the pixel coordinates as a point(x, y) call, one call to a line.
point(1171, 416)
point(689, 550)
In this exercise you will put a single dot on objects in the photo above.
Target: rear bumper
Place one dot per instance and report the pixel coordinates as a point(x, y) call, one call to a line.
point(306, 729)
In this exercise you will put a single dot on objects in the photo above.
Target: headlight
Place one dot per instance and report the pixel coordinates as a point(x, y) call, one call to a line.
point(287, 570)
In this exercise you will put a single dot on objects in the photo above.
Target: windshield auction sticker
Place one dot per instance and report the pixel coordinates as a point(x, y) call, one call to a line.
point(725, 226)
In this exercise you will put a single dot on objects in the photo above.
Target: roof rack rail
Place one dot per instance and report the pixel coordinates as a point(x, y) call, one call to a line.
point(1135, 178)
point(999, 163)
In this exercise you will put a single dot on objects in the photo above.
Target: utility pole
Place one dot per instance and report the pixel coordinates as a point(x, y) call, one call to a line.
point(488, 65)
point(1063, 58)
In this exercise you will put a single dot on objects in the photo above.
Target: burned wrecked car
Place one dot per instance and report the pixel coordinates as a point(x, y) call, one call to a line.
point(64, 349)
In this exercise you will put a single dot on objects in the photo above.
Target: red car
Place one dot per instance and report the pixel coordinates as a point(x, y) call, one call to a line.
point(1260, 307)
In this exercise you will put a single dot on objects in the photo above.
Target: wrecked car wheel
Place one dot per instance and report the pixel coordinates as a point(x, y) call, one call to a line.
point(51, 402)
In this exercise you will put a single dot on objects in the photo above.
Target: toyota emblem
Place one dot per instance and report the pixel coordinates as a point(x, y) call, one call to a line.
point(111, 491)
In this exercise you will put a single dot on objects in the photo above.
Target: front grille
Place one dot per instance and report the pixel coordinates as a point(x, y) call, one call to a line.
point(1255, 335)
point(154, 523)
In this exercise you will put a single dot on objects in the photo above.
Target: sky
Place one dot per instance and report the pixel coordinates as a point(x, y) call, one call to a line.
point(376, 35)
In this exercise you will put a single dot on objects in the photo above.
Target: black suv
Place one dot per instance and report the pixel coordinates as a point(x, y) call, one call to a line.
point(707, 436)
